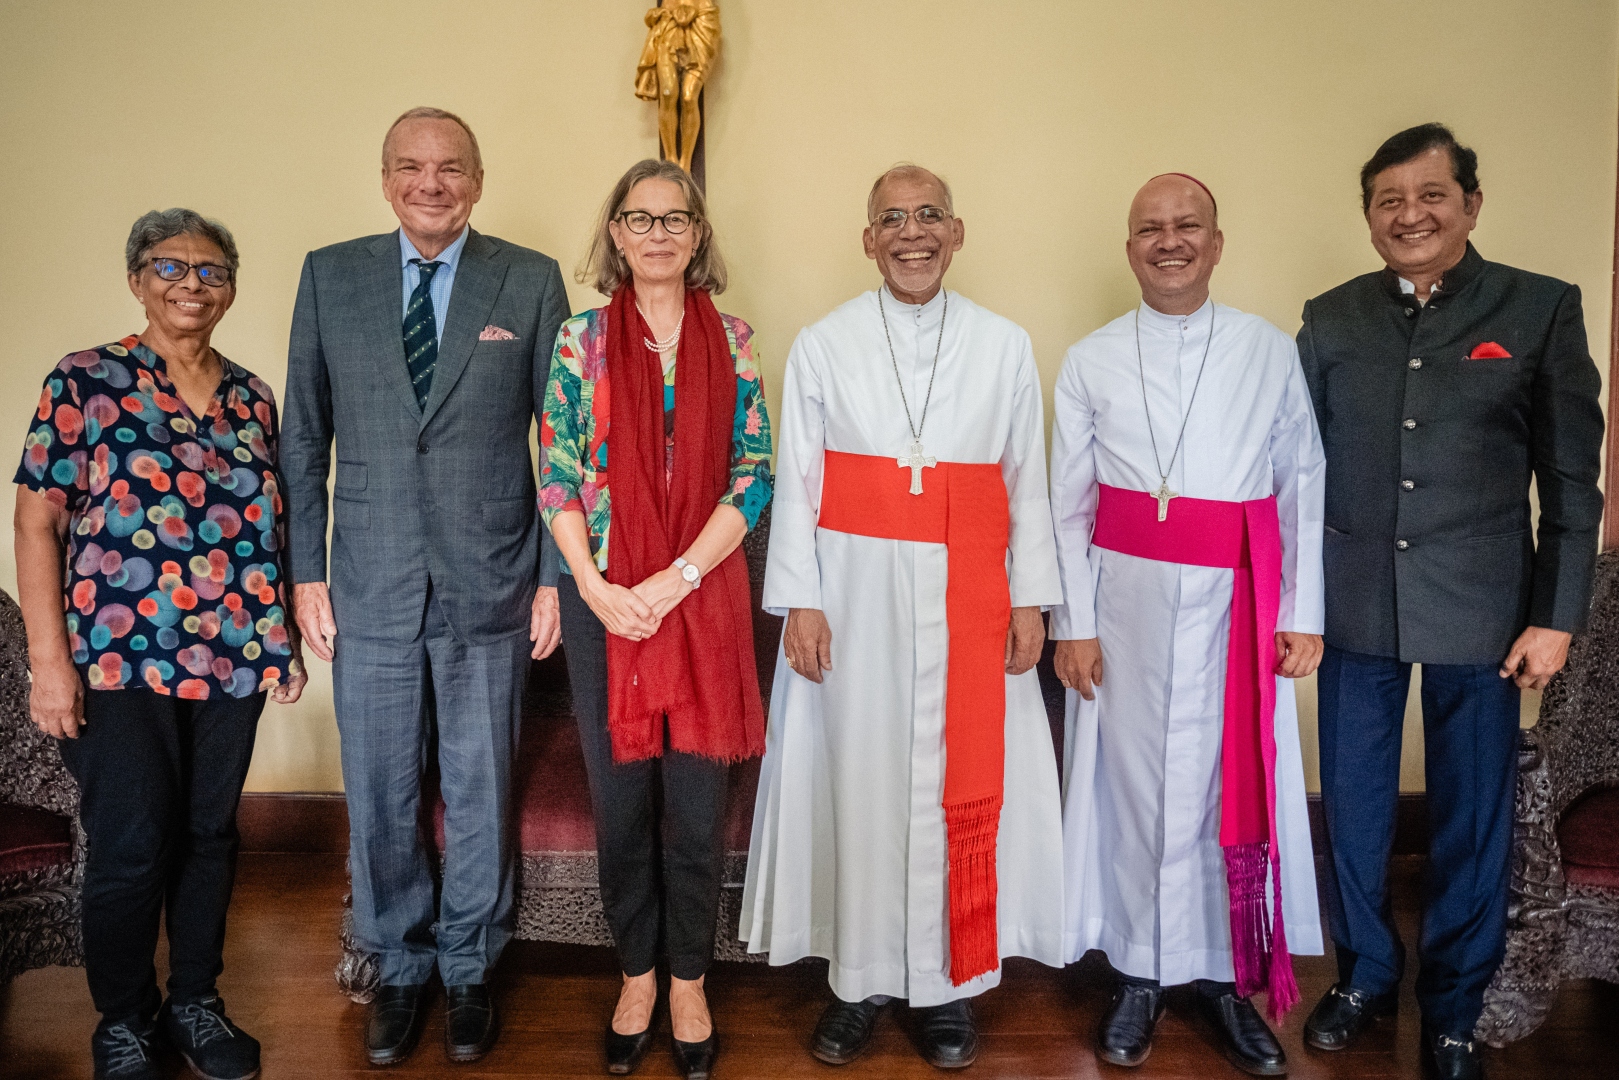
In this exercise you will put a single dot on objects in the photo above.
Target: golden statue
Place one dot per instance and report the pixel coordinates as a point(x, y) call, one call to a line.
point(682, 39)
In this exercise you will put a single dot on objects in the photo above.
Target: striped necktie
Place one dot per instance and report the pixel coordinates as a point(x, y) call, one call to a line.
point(421, 332)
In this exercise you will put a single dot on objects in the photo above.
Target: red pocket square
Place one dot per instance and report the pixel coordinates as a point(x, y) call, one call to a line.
point(1489, 351)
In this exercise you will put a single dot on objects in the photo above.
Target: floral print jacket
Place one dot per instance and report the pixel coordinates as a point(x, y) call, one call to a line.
point(573, 431)
point(176, 524)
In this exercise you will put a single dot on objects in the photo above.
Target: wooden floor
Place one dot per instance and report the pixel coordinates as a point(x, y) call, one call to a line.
point(555, 1000)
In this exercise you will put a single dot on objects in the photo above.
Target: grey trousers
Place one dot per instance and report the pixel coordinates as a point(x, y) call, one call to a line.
point(387, 696)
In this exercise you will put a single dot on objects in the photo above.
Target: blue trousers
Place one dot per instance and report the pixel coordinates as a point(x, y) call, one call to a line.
point(388, 696)
point(1470, 733)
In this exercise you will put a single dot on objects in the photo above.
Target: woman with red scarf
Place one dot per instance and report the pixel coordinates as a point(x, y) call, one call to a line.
point(656, 616)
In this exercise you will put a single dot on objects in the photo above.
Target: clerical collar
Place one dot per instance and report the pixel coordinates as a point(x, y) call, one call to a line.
point(914, 309)
point(1151, 316)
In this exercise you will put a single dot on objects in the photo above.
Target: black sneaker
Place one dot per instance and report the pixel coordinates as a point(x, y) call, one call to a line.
point(215, 1048)
point(126, 1051)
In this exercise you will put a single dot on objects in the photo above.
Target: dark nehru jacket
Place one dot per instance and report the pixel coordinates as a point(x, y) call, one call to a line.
point(1433, 419)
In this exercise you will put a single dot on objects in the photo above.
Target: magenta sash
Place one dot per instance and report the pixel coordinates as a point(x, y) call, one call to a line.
point(1247, 538)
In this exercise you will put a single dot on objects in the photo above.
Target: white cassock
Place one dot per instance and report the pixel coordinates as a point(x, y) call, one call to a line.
point(1145, 874)
point(848, 858)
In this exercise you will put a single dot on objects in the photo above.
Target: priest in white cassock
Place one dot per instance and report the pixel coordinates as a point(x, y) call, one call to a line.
point(1187, 479)
point(909, 815)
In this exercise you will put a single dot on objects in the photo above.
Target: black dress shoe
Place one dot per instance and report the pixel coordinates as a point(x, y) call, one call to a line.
point(844, 1031)
point(1249, 1044)
point(624, 1052)
point(1126, 1034)
point(948, 1035)
point(1343, 1014)
point(469, 1022)
point(696, 1060)
point(395, 1023)
point(1449, 1058)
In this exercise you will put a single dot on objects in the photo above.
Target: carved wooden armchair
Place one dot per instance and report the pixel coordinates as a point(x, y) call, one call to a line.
point(41, 847)
point(1563, 922)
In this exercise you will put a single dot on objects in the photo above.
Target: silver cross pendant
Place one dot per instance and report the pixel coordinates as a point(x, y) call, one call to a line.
point(1163, 495)
point(916, 461)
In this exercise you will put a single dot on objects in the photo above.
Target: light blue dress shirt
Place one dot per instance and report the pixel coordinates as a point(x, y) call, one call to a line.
point(443, 278)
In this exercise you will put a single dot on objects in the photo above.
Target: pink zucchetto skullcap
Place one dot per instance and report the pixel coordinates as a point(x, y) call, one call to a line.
point(1199, 183)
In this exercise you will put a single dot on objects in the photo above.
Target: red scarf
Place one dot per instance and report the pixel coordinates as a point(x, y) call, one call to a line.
point(698, 669)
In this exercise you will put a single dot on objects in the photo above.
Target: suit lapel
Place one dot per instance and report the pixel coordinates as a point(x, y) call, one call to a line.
point(472, 297)
point(385, 317)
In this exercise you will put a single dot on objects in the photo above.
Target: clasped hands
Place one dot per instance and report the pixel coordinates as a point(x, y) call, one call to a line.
point(1079, 661)
point(807, 641)
point(638, 611)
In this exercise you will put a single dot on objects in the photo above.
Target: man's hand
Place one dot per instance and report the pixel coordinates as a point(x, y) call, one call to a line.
point(544, 622)
point(1297, 655)
point(1536, 656)
point(1024, 639)
point(56, 700)
point(663, 591)
point(807, 641)
point(1079, 665)
point(312, 611)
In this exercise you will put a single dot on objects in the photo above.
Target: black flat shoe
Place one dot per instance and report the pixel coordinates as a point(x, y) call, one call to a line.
point(1342, 1014)
point(1125, 1037)
point(1249, 1044)
point(696, 1060)
point(624, 1052)
point(395, 1023)
point(948, 1035)
point(844, 1031)
point(469, 1022)
point(1446, 1057)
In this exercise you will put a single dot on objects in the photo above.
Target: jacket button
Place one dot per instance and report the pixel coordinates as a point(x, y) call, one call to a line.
point(1408, 485)
point(421, 446)
point(1409, 425)
point(1416, 364)
point(1410, 312)
point(1402, 544)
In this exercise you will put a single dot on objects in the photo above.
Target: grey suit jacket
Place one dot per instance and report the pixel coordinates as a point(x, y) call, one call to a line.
point(441, 494)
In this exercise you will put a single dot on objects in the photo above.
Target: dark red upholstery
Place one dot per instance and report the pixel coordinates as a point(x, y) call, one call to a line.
point(32, 839)
point(1589, 837)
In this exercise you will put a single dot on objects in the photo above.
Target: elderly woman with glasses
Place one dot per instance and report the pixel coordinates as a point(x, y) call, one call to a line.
point(656, 616)
point(149, 531)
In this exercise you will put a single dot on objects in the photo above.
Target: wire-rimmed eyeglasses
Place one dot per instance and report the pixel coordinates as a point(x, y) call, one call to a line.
point(929, 217)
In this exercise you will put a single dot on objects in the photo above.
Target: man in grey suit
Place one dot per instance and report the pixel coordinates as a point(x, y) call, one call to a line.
point(423, 353)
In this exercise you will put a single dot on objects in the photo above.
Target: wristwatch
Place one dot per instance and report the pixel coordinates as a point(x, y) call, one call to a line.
point(693, 576)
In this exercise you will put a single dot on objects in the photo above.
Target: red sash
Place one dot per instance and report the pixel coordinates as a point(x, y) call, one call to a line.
point(963, 507)
point(1246, 537)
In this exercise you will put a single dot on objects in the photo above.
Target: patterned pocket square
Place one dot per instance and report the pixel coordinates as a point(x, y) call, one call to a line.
point(496, 333)
point(1489, 351)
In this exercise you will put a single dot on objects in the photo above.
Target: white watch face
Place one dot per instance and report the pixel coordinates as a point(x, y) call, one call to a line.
point(689, 572)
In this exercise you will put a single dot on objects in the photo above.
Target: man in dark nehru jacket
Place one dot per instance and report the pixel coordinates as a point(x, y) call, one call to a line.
point(1442, 384)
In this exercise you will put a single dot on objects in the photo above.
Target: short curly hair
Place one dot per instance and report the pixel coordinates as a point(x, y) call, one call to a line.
point(156, 226)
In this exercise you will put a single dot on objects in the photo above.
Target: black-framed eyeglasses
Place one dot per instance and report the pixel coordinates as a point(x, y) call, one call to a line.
point(640, 222)
point(929, 217)
point(177, 269)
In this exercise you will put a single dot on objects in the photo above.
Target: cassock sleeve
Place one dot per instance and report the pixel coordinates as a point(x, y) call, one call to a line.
point(1299, 469)
point(1073, 502)
point(1033, 572)
point(792, 568)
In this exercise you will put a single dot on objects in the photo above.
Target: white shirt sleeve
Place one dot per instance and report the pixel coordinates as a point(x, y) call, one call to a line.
point(1299, 468)
point(1073, 502)
point(1033, 571)
point(792, 568)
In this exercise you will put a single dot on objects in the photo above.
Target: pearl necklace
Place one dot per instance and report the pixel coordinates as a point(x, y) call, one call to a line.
point(668, 344)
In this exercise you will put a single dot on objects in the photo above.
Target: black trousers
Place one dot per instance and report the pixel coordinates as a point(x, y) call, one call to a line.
point(1470, 731)
point(659, 858)
point(159, 780)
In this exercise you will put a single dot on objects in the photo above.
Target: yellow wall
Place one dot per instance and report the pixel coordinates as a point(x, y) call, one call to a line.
point(1045, 117)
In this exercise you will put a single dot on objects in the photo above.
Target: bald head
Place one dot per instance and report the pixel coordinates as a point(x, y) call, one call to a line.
point(1174, 243)
point(911, 174)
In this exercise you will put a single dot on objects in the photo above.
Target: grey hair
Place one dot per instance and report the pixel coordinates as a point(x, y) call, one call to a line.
point(907, 169)
point(427, 112)
point(156, 226)
point(604, 269)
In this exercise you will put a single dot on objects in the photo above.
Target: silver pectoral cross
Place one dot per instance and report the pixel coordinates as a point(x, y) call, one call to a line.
point(1163, 495)
point(916, 461)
